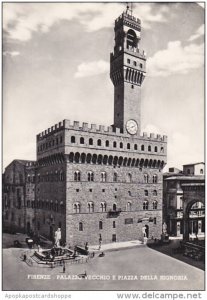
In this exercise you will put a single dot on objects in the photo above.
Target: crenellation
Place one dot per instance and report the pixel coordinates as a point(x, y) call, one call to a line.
point(152, 135)
point(93, 127)
point(85, 126)
point(76, 124)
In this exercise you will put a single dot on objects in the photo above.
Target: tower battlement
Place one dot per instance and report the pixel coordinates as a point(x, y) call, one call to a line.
point(129, 20)
point(95, 128)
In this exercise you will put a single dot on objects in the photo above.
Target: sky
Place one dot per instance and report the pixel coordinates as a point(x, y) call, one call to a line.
point(56, 66)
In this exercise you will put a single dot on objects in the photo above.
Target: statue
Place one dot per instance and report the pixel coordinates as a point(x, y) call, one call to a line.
point(144, 231)
point(57, 237)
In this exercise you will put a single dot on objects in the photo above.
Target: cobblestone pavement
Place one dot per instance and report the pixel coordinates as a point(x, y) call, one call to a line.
point(139, 268)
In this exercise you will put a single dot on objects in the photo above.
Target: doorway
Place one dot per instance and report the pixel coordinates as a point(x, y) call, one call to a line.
point(113, 237)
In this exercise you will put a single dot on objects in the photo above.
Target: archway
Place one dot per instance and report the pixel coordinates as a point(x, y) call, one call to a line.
point(194, 220)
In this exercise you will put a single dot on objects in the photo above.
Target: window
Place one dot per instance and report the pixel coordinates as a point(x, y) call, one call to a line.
point(76, 208)
point(103, 206)
point(135, 146)
point(131, 39)
point(77, 176)
point(129, 206)
point(72, 139)
point(107, 143)
point(154, 193)
point(201, 171)
point(121, 145)
point(135, 63)
point(90, 190)
point(61, 139)
point(90, 142)
point(114, 144)
point(155, 148)
point(77, 190)
point(80, 226)
point(132, 86)
point(142, 148)
point(128, 60)
point(81, 140)
point(90, 176)
point(129, 177)
point(154, 179)
point(129, 193)
point(154, 204)
point(162, 150)
point(114, 207)
point(141, 65)
point(114, 224)
point(99, 142)
point(155, 221)
point(103, 176)
point(103, 190)
point(145, 205)
point(128, 145)
point(146, 193)
point(100, 225)
point(90, 207)
point(115, 177)
point(149, 148)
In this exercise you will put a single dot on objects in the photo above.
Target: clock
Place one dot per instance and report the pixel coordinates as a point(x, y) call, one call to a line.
point(131, 127)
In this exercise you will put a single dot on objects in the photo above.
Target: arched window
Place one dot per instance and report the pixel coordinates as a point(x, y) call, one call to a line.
point(100, 225)
point(162, 149)
point(103, 176)
point(80, 226)
point(128, 145)
point(90, 207)
point(149, 148)
point(77, 176)
point(142, 148)
point(155, 148)
point(154, 179)
point(90, 142)
point(107, 143)
point(146, 178)
point(154, 204)
point(99, 142)
point(114, 207)
point(81, 140)
point(103, 206)
point(121, 145)
point(201, 171)
point(146, 193)
point(72, 139)
point(114, 144)
point(76, 208)
point(135, 146)
point(154, 193)
point(90, 176)
point(145, 205)
point(115, 176)
point(129, 206)
point(131, 39)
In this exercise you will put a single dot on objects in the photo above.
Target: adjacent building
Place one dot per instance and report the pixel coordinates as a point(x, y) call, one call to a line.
point(96, 182)
point(184, 195)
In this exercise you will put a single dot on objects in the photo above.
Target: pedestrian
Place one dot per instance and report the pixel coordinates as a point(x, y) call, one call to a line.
point(63, 266)
point(100, 240)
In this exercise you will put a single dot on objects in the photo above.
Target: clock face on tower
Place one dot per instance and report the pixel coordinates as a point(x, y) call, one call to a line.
point(131, 127)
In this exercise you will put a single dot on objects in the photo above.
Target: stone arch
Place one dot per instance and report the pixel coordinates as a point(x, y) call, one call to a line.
point(83, 158)
point(120, 160)
point(125, 161)
point(105, 159)
point(110, 160)
point(88, 158)
point(94, 158)
point(71, 157)
point(115, 161)
point(146, 163)
point(77, 157)
point(100, 159)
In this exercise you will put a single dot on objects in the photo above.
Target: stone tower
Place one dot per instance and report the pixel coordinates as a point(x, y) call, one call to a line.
point(127, 72)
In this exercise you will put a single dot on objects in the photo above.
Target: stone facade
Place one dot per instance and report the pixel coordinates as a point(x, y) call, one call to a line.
point(103, 182)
